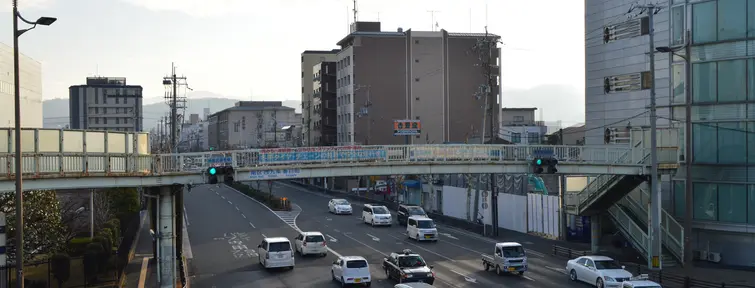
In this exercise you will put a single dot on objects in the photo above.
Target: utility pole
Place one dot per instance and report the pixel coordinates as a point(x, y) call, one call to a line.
point(309, 120)
point(175, 103)
point(484, 49)
point(654, 230)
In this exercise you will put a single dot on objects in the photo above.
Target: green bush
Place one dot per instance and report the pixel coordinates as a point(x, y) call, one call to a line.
point(104, 254)
point(60, 266)
point(92, 261)
point(77, 246)
point(107, 233)
point(115, 226)
point(273, 202)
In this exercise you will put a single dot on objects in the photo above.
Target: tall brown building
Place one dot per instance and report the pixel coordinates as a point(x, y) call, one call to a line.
point(429, 76)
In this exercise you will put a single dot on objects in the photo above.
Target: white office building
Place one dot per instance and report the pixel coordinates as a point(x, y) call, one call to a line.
point(31, 90)
point(518, 126)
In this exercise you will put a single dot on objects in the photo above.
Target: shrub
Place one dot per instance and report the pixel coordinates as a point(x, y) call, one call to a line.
point(104, 254)
point(77, 246)
point(273, 202)
point(115, 226)
point(108, 234)
point(60, 264)
point(92, 261)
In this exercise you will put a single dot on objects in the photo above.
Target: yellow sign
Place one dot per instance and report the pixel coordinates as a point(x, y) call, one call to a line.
point(656, 262)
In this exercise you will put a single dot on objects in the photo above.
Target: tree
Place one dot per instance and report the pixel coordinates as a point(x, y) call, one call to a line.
point(124, 202)
point(73, 213)
point(553, 139)
point(102, 211)
point(43, 229)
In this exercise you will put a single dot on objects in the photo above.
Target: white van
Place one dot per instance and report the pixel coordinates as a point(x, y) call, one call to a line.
point(421, 228)
point(376, 215)
point(275, 252)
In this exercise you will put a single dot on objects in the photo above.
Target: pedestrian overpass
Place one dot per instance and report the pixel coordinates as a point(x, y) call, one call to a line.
point(77, 159)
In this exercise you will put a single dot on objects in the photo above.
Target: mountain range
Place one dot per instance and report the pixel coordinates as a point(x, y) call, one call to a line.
point(550, 100)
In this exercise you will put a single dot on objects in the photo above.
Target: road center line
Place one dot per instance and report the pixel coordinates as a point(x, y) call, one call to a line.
point(242, 215)
point(420, 247)
point(237, 208)
point(250, 224)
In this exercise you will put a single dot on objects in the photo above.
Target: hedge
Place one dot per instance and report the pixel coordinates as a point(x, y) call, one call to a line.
point(272, 201)
point(77, 246)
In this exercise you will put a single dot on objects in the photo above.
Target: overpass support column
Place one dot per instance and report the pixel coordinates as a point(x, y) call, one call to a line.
point(595, 233)
point(166, 247)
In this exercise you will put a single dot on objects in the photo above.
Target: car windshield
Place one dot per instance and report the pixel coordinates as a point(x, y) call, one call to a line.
point(356, 264)
point(341, 202)
point(379, 210)
point(513, 252)
point(607, 264)
point(415, 211)
point(315, 238)
point(426, 224)
point(279, 247)
point(410, 261)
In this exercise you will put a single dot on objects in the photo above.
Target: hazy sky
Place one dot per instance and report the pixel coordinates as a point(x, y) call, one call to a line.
point(241, 48)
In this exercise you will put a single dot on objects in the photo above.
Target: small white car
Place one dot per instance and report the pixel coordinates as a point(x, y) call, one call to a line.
point(275, 252)
point(351, 270)
point(309, 243)
point(339, 206)
point(641, 281)
point(413, 285)
point(421, 228)
point(600, 271)
point(376, 215)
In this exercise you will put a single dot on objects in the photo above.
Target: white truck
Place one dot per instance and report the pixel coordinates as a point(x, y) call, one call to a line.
point(508, 257)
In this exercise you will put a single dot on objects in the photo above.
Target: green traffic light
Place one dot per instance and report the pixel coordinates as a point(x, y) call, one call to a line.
point(539, 162)
point(212, 171)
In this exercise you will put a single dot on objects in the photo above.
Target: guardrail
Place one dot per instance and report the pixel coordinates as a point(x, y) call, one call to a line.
point(666, 279)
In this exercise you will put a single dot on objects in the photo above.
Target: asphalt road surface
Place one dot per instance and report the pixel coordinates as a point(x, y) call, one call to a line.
point(220, 217)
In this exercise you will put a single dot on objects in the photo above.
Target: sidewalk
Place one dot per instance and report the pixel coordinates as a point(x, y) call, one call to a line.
point(701, 271)
point(142, 262)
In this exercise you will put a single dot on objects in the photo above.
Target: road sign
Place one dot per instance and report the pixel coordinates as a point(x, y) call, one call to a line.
point(406, 127)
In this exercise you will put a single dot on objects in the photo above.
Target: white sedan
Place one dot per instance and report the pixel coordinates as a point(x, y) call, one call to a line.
point(339, 206)
point(600, 271)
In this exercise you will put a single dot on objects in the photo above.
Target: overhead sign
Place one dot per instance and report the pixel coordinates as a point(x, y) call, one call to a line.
point(274, 174)
point(406, 127)
point(321, 154)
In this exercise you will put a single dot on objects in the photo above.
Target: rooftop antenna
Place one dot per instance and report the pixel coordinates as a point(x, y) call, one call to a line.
point(433, 24)
point(470, 20)
point(348, 23)
point(486, 14)
point(355, 11)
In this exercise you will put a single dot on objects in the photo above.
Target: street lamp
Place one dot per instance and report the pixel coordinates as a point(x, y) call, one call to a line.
point(45, 21)
point(687, 143)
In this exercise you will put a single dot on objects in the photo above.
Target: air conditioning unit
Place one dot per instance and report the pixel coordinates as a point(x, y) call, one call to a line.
point(701, 255)
point(714, 257)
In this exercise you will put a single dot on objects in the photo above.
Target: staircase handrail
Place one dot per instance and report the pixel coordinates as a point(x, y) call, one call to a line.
point(602, 183)
point(635, 233)
point(669, 225)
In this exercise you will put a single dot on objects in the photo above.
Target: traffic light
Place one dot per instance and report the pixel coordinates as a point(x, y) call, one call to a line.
point(539, 165)
point(228, 174)
point(212, 175)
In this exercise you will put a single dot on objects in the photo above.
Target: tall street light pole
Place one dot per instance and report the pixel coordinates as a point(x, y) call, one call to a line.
point(45, 21)
point(687, 145)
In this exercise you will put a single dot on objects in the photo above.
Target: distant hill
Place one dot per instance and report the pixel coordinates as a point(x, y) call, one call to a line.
point(55, 111)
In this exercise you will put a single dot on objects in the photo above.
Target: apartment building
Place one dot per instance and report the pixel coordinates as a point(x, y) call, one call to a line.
point(31, 90)
point(106, 103)
point(723, 106)
point(309, 59)
point(252, 124)
point(324, 102)
point(518, 126)
point(427, 76)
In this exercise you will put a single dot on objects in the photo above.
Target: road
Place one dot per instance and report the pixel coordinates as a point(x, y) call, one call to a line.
point(219, 217)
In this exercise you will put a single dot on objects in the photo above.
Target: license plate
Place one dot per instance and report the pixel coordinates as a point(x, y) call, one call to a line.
point(512, 269)
point(357, 280)
point(428, 236)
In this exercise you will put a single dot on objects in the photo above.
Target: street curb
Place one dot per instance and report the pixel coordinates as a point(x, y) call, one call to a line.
point(132, 251)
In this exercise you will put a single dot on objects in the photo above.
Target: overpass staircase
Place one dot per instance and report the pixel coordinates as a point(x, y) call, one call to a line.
point(627, 205)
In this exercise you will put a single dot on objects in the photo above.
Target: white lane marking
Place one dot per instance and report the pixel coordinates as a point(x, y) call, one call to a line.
point(271, 210)
point(331, 238)
point(250, 224)
point(223, 197)
point(242, 215)
point(466, 278)
point(376, 239)
point(237, 208)
point(229, 202)
point(449, 236)
point(528, 278)
point(368, 246)
point(559, 270)
point(427, 250)
point(337, 231)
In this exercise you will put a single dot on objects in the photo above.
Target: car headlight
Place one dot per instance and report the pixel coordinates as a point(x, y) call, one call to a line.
point(609, 279)
point(429, 275)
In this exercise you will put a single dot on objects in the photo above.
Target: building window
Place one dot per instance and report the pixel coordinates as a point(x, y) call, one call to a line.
point(732, 19)
point(751, 205)
point(516, 138)
point(732, 143)
point(705, 199)
point(732, 203)
point(732, 81)
point(677, 25)
point(704, 82)
point(518, 118)
point(704, 22)
point(705, 143)
point(751, 142)
point(678, 96)
point(679, 198)
point(533, 138)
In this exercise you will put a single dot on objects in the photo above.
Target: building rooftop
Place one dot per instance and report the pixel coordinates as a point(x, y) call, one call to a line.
point(403, 34)
point(518, 109)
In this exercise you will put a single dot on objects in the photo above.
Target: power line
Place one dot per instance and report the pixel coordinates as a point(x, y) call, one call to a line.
point(715, 125)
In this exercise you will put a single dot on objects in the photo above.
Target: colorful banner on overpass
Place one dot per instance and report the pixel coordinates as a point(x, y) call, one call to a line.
point(321, 154)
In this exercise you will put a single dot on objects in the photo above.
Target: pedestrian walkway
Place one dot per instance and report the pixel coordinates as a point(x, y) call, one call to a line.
point(141, 265)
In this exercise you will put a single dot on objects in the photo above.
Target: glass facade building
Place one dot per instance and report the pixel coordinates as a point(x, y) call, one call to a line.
point(722, 55)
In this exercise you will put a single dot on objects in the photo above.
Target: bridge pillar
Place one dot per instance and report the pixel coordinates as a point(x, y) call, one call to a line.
point(595, 233)
point(166, 236)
